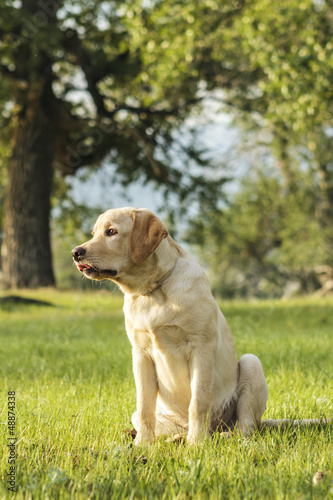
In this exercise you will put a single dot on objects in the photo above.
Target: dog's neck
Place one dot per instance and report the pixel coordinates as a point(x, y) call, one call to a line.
point(158, 284)
point(154, 272)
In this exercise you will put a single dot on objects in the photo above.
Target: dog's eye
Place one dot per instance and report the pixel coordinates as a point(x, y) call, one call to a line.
point(110, 232)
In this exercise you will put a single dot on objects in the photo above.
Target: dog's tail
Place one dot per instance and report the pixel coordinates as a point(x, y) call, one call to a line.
point(287, 423)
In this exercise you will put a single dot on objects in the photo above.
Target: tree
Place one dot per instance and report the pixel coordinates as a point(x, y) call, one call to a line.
point(113, 81)
point(293, 95)
point(264, 238)
point(291, 101)
point(83, 85)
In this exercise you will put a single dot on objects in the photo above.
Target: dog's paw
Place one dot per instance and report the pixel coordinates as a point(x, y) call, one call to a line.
point(177, 438)
point(225, 435)
point(142, 440)
point(193, 440)
point(138, 441)
point(197, 435)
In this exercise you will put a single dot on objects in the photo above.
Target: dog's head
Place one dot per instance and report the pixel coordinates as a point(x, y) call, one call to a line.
point(123, 239)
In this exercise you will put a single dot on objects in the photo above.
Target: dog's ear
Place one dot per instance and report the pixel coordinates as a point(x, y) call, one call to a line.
point(146, 234)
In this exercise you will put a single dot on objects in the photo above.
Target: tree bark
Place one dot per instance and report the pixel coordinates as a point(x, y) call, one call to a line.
point(280, 145)
point(26, 248)
point(326, 189)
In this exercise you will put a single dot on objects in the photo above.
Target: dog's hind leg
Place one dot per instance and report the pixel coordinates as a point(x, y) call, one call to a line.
point(252, 394)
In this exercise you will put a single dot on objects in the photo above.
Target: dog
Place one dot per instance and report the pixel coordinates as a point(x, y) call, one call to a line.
point(187, 376)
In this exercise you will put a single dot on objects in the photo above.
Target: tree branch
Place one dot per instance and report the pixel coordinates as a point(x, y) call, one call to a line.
point(74, 45)
point(139, 110)
point(158, 170)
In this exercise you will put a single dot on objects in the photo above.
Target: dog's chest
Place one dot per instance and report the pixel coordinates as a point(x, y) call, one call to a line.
point(159, 333)
point(156, 327)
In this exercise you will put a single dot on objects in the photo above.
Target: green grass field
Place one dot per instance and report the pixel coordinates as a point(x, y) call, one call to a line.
point(70, 368)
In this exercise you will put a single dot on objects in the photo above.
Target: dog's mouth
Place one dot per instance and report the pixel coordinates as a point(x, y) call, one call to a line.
point(85, 267)
point(89, 270)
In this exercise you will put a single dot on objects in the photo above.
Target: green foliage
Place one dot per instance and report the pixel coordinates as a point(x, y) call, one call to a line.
point(119, 93)
point(70, 366)
point(264, 238)
point(296, 63)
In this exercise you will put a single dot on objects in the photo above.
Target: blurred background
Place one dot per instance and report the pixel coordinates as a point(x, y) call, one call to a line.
point(215, 115)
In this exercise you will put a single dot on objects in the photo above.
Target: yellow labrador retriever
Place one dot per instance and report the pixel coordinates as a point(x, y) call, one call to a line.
point(186, 372)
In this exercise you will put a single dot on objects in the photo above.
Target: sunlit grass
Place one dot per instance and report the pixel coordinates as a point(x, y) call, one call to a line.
point(70, 366)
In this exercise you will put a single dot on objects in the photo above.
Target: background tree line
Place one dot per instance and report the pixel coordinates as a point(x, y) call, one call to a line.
point(87, 83)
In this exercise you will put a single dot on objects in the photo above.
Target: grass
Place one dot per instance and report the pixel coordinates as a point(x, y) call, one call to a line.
point(70, 366)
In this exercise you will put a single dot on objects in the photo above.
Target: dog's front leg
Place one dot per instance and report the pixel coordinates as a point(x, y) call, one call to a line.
point(146, 393)
point(202, 374)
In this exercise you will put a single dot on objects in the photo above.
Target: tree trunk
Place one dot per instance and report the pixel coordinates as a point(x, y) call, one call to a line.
point(26, 248)
point(326, 189)
point(284, 161)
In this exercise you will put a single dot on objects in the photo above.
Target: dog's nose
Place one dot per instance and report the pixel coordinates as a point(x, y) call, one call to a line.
point(78, 252)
